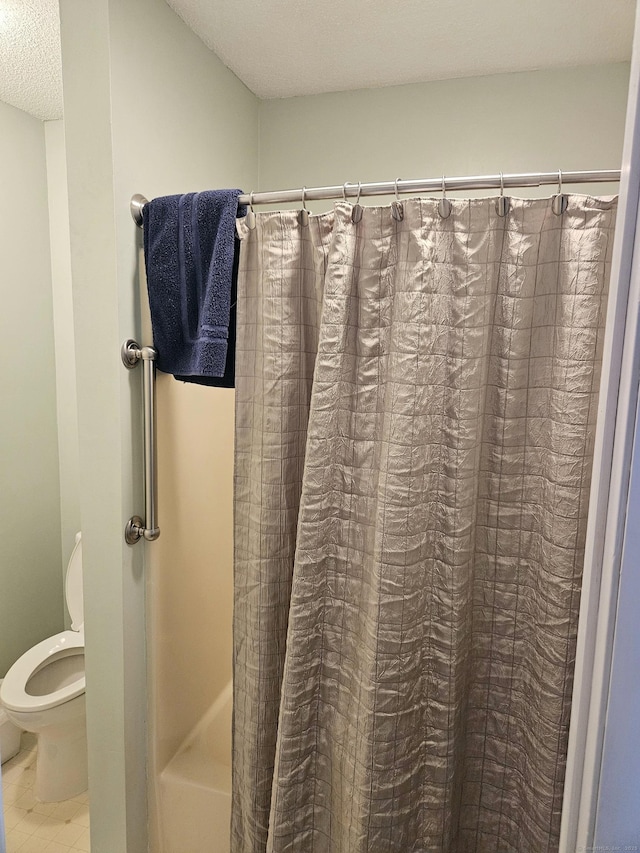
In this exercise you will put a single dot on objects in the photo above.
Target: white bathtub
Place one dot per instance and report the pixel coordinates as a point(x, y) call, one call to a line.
point(195, 786)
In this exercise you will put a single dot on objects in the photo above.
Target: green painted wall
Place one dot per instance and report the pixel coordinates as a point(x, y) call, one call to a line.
point(31, 591)
point(527, 122)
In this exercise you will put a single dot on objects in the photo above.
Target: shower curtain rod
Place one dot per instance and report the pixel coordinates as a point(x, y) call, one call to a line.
point(421, 185)
point(433, 185)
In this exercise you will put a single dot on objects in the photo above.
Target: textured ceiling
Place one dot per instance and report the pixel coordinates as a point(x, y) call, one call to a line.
point(281, 48)
point(30, 65)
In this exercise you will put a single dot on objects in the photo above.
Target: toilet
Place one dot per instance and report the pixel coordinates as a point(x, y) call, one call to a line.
point(44, 692)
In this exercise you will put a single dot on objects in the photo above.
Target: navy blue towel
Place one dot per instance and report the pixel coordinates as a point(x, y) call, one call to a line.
point(191, 255)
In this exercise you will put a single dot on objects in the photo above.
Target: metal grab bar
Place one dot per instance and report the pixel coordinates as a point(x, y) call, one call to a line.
point(136, 528)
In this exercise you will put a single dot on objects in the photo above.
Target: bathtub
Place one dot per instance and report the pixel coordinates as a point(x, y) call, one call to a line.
point(195, 786)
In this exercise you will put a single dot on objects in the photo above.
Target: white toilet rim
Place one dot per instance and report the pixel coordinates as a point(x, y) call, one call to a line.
point(13, 695)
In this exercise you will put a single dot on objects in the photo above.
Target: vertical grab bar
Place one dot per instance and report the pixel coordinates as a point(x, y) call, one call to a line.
point(136, 528)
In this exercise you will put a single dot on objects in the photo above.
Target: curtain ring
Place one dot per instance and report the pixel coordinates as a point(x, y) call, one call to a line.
point(356, 213)
point(303, 215)
point(397, 211)
point(559, 202)
point(444, 205)
point(502, 203)
point(251, 214)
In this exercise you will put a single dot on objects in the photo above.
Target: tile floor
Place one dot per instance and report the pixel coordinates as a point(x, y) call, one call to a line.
point(34, 827)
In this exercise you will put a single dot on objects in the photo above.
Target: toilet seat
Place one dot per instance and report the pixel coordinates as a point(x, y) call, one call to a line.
point(13, 693)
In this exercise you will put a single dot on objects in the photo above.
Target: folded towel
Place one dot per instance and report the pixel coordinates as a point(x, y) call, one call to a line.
point(191, 255)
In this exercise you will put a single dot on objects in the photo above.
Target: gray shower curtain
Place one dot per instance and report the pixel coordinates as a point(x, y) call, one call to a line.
point(416, 404)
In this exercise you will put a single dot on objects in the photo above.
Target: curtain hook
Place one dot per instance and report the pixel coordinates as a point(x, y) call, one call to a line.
point(344, 190)
point(303, 215)
point(559, 202)
point(444, 205)
point(502, 203)
point(397, 211)
point(251, 214)
point(356, 213)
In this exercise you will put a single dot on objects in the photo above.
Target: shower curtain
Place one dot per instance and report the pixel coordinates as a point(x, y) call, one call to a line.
point(416, 404)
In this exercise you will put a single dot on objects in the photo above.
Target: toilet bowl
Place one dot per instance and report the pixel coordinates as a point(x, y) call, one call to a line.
point(43, 692)
point(10, 736)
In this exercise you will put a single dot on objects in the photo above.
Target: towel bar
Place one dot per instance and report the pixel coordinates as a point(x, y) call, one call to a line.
point(136, 528)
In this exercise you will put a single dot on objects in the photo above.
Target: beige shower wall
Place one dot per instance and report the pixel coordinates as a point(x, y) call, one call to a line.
point(527, 122)
point(190, 567)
